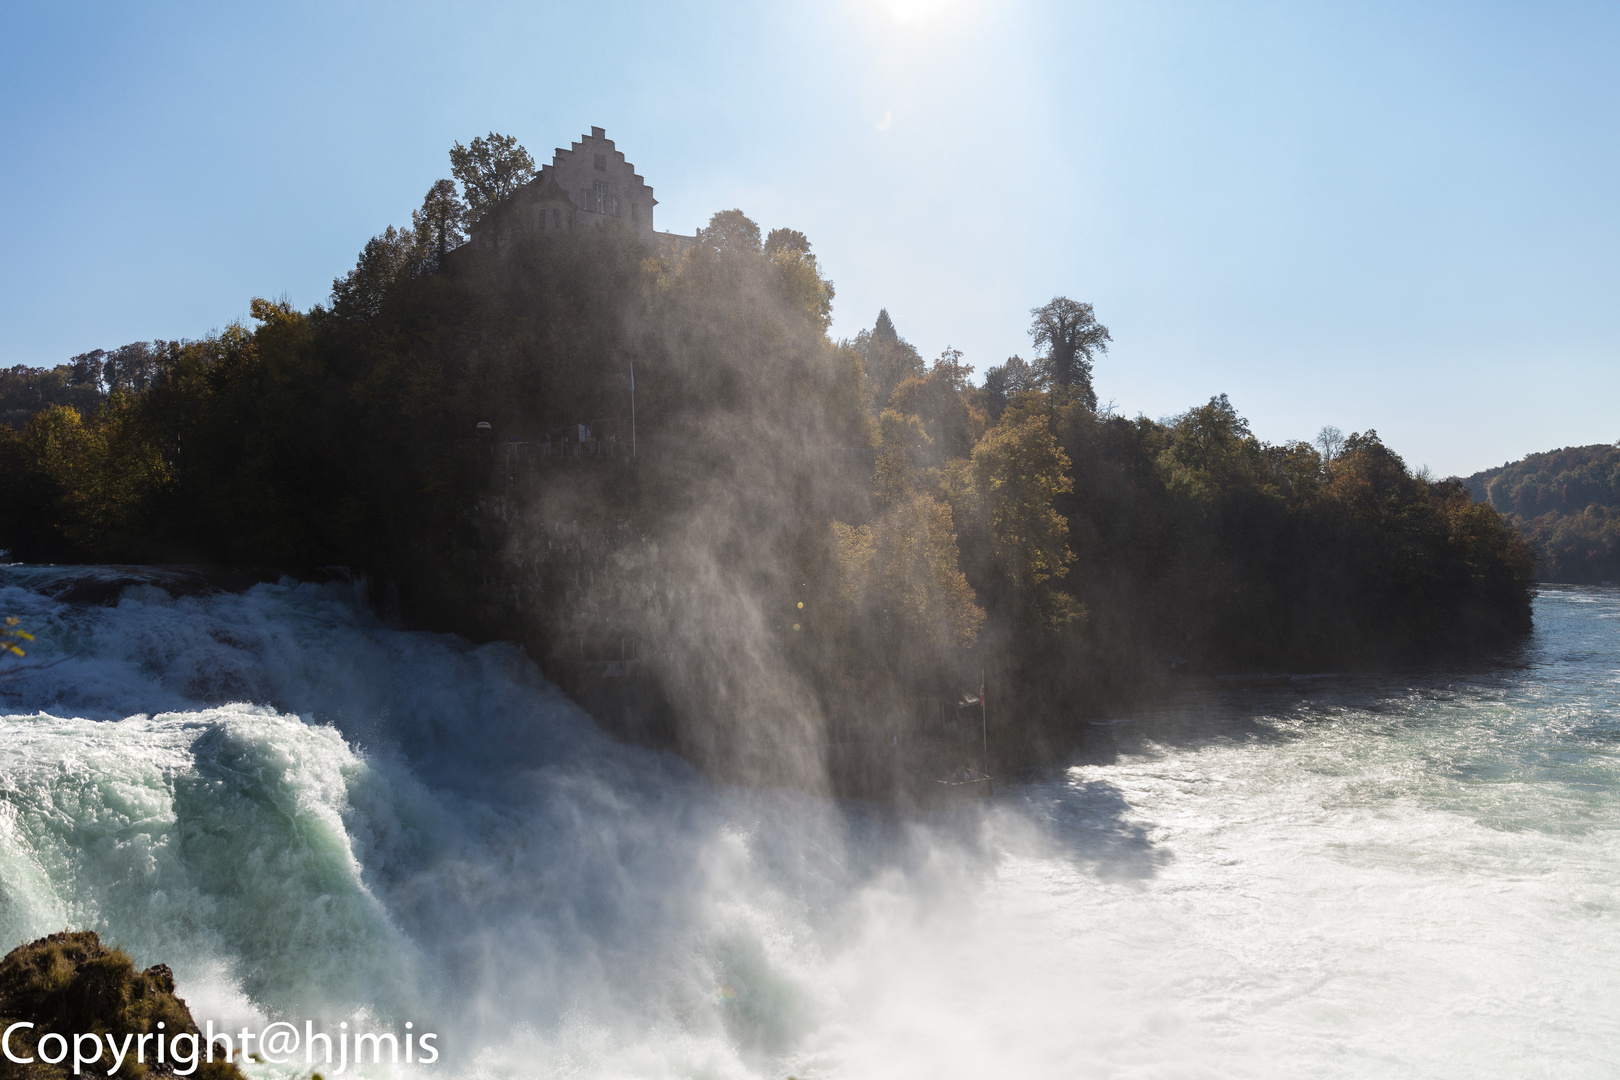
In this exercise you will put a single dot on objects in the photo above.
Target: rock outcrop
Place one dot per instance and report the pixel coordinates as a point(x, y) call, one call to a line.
point(70, 983)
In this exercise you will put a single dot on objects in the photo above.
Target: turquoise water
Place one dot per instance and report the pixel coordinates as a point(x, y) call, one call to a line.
point(309, 814)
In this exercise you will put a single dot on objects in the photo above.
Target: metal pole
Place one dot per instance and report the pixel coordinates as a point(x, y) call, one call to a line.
point(984, 723)
point(632, 408)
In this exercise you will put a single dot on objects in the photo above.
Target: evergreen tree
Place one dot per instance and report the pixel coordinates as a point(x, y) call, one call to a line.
point(887, 358)
point(439, 223)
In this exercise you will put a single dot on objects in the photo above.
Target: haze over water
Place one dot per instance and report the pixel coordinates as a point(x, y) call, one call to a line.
point(1394, 876)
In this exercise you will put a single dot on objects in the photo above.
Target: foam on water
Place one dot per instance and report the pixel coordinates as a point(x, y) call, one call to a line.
point(309, 814)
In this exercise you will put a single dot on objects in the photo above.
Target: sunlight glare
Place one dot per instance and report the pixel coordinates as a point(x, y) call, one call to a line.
point(917, 11)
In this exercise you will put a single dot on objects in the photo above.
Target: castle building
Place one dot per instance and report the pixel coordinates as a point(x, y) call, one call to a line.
point(587, 184)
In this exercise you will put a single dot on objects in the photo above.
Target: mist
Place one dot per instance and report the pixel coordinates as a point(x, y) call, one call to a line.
point(412, 827)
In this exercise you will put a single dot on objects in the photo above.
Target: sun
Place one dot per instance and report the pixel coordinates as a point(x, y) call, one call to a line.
point(917, 11)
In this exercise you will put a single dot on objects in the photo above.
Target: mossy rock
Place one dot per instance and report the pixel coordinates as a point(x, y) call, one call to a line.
point(71, 983)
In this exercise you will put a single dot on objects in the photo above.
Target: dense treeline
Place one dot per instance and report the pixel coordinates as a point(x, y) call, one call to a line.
point(812, 541)
point(82, 382)
point(1567, 504)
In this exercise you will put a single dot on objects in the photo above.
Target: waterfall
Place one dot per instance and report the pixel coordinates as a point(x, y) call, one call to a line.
point(310, 814)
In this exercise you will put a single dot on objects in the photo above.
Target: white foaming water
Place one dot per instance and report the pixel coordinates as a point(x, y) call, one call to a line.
point(1336, 877)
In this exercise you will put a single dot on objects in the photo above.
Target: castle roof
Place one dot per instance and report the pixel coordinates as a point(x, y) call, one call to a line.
point(544, 188)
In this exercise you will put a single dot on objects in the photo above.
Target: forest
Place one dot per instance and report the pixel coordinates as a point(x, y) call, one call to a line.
point(725, 532)
point(1567, 504)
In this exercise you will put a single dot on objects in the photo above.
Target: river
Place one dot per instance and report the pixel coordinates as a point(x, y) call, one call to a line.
point(310, 814)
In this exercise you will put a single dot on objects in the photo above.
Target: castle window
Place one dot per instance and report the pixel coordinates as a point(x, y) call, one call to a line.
point(584, 199)
point(635, 212)
point(615, 206)
point(556, 221)
point(601, 163)
point(599, 196)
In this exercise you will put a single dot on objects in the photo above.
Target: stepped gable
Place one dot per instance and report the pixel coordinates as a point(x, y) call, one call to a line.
point(601, 183)
point(589, 183)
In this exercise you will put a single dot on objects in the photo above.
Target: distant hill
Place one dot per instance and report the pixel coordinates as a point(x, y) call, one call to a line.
point(1567, 504)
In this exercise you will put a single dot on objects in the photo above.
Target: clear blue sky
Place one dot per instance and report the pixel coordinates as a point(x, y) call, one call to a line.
point(1403, 216)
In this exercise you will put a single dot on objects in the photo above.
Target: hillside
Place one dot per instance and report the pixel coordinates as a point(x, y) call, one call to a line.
point(657, 472)
point(1567, 504)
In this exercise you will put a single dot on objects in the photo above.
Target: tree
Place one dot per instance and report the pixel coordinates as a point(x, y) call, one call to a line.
point(87, 368)
point(385, 259)
point(800, 278)
point(904, 450)
point(787, 240)
point(887, 358)
point(905, 565)
point(131, 368)
point(1005, 381)
point(98, 475)
point(440, 222)
point(1019, 470)
point(1071, 334)
point(489, 170)
point(1211, 450)
point(939, 400)
point(732, 230)
point(1330, 441)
